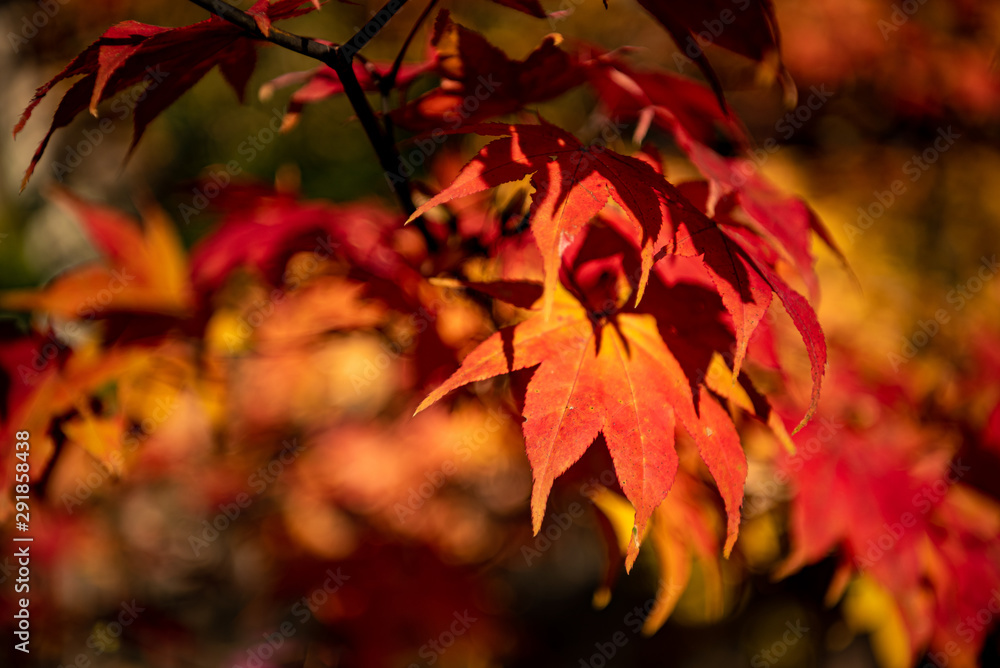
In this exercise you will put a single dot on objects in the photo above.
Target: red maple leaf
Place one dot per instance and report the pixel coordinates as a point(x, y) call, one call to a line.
point(323, 82)
point(160, 64)
point(748, 28)
point(574, 182)
point(631, 374)
point(479, 81)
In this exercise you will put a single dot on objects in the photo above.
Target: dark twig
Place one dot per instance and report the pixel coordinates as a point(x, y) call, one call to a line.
point(390, 79)
point(339, 58)
point(372, 28)
point(297, 43)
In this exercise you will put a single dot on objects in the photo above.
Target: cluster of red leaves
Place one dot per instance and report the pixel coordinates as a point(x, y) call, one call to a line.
point(624, 369)
point(898, 505)
point(638, 336)
point(162, 62)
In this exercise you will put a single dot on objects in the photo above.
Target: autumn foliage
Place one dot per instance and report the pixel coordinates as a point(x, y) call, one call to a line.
point(323, 407)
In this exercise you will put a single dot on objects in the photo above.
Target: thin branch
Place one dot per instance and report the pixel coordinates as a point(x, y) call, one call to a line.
point(335, 57)
point(390, 78)
point(384, 147)
point(297, 43)
point(371, 28)
point(388, 82)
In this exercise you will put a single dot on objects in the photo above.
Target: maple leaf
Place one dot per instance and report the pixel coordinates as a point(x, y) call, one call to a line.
point(664, 98)
point(752, 31)
point(615, 377)
point(67, 390)
point(903, 522)
point(143, 270)
point(682, 107)
point(263, 228)
point(680, 532)
point(323, 82)
point(754, 260)
point(785, 222)
point(480, 81)
point(572, 182)
point(159, 63)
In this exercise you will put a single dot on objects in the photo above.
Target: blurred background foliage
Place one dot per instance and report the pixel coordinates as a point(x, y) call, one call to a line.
point(893, 91)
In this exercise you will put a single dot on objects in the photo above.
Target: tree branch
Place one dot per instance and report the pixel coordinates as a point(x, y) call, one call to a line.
point(398, 62)
point(304, 45)
point(338, 58)
point(372, 28)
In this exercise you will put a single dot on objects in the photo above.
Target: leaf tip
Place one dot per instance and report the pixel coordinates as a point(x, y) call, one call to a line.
point(727, 550)
point(633, 550)
point(640, 291)
point(538, 502)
